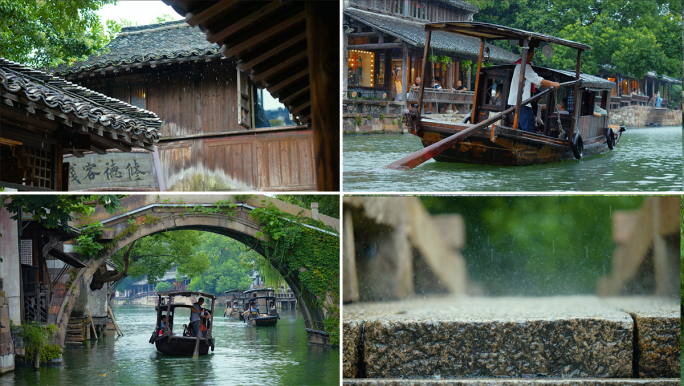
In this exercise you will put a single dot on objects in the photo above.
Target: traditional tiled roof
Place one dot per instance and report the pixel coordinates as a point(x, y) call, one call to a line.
point(462, 5)
point(653, 74)
point(146, 43)
point(413, 33)
point(99, 110)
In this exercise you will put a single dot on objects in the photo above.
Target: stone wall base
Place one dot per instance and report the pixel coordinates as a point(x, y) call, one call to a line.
point(638, 116)
point(6, 341)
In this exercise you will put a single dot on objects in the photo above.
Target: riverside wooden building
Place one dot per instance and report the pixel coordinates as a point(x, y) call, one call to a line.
point(381, 35)
point(43, 118)
point(216, 134)
point(646, 86)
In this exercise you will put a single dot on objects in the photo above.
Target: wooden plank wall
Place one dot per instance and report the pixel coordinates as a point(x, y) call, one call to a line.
point(200, 101)
point(592, 126)
point(267, 161)
point(196, 100)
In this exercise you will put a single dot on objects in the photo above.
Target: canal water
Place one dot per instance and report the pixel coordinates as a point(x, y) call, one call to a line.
point(244, 355)
point(646, 159)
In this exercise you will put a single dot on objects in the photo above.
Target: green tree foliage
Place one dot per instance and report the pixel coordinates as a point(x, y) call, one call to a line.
point(536, 245)
point(226, 270)
point(50, 32)
point(154, 255)
point(55, 211)
point(163, 286)
point(632, 36)
point(328, 204)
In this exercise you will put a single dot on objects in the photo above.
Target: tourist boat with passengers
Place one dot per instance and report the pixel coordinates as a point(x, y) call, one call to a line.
point(265, 302)
point(170, 343)
point(234, 304)
point(567, 127)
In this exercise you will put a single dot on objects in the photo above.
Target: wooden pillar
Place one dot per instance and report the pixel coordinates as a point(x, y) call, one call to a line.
point(477, 82)
point(428, 35)
point(521, 83)
point(578, 100)
point(324, 83)
point(404, 72)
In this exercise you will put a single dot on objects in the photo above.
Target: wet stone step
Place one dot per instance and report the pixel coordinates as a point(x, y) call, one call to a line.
point(658, 329)
point(462, 337)
point(512, 382)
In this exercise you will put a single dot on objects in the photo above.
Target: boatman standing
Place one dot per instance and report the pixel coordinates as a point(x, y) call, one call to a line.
point(196, 316)
point(526, 119)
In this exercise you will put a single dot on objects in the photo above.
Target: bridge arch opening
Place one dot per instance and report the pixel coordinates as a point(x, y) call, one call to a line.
point(237, 224)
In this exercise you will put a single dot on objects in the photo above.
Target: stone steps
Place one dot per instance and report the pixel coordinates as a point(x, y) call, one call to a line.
point(556, 337)
point(75, 333)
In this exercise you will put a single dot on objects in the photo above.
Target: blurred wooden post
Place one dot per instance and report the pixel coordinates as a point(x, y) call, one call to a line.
point(324, 74)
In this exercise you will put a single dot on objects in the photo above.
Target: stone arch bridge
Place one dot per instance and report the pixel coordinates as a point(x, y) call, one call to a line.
point(184, 212)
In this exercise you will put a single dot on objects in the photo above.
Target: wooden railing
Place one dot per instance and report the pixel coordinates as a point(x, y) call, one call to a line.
point(441, 96)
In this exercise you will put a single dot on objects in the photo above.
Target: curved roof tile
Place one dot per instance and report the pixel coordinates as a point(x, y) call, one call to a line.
point(83, 103)
point(145, 43)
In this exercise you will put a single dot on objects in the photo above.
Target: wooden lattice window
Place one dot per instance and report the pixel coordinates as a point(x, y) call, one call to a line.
point(26, 251)
point(41, 166)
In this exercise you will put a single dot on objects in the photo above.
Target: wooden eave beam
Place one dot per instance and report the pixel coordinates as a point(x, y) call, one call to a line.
point(376, 46)
point(276, 68)
point(293, 92)
point(204, 15)
point(27, 135)
point(108, 143)
point(98, 149)
point(240, 43)
point(236, 21)
point(300, 108)
point(278, 84)
point(262, 56)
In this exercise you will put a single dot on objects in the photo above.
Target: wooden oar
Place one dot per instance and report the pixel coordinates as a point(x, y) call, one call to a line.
point(417, 158)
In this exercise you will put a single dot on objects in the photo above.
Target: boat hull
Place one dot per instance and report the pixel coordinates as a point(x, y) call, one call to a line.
point(263, 321)
point(235, 315)
point(181, 345)
point(509, 147)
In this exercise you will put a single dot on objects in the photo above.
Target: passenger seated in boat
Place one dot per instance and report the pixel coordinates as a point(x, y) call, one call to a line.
point(272, 310)
point(163, 325)
point(562, 109)
point(496, 100)
point(598, 111)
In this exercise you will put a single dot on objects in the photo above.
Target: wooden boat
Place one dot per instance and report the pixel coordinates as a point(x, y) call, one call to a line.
point(490, 135)
point(265, 303)
point(234, 304)
point(170, 343)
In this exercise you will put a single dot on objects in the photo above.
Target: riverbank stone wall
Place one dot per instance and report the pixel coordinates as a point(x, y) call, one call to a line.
point(640, 116)
point(6, 342)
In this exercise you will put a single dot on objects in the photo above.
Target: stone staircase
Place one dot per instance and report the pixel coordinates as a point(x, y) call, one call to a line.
point(656, 116)
point(458, 340)
point(76, 332)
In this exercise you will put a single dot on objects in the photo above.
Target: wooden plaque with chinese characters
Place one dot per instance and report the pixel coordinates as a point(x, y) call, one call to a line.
point(112, 171)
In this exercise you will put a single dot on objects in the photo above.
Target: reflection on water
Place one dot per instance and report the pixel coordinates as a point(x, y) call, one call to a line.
point(645, 160)
point(244, 355)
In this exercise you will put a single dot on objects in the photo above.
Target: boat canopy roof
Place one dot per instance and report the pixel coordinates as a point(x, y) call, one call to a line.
point(259, 289)
point(234, 291)
point(186, 293)
point(498, 32)
point(259, 297)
